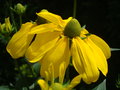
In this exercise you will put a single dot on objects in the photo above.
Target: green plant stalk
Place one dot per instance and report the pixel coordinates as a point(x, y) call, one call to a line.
point(74, 8)
point(20, 17)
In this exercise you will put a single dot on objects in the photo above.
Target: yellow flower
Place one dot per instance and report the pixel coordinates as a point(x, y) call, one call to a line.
point(59, 39)
point(57, 85)
point(51, 45)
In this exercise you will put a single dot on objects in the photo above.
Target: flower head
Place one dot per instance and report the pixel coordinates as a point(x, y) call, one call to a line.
point(59, 39)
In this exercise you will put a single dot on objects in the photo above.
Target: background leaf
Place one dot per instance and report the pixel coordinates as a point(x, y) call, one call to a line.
point(101, 86)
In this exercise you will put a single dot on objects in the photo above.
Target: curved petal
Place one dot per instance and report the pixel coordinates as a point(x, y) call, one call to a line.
point(83, 32)
point(58, 54)
point(43, 43)
point(100, 58)
point(43, 84)
point(66, 21)
point(56, 19)
point(101, 44)
point(75, 81)
point(62, 70)
point(20, 41)
point(49, 27)
point(83, 60)
point(51, 73)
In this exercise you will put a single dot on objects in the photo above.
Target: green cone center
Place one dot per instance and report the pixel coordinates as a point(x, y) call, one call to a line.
point(72, 29)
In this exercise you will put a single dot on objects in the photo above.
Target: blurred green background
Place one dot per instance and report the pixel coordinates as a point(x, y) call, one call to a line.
point(101, 17)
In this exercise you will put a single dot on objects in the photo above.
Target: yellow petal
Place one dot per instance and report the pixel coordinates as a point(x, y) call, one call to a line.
point(75, 81)
point(83, 60)
point(60, 53)
point(100, 59)
point(66, 21)
point(47, 76)
point(49, 27)
point(62, 70)
point(43, 84)
point(83, 32)
point(57, 86)
point(56, 19)
point(51, 73)
point(101, 44)
point(43, 43)
point(20, 41)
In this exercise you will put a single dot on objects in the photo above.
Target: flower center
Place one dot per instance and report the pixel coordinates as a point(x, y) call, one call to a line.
point(73, 28)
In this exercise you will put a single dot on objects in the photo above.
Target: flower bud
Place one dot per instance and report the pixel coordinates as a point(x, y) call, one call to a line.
point(72, 29)
point(6, 27)
point(19, 8)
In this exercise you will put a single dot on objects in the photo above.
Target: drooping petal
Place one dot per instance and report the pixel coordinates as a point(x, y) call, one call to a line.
point(56, 19)
point(62, 70)
point(66, 21)
point(48, 27)
point(83, 32)
point(20, 41)
point(75, 81)
point(51, 73)
point(56, 56)
point(83, 60)
point(43, 84)
point(43, 43)
point(100, 59)
point(101, 44)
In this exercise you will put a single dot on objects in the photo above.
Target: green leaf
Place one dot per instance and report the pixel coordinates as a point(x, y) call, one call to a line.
point(101, 86)
point(4, 88)
point(115, 49)
point(36, 68)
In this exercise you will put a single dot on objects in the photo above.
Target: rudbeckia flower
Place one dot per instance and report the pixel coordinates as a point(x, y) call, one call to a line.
point(57, 85)
point(55, 42)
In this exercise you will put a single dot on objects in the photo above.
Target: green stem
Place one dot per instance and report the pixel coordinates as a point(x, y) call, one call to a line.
point(13, 21)
point(74, 8)
point(20, 16)
point(67, 74)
